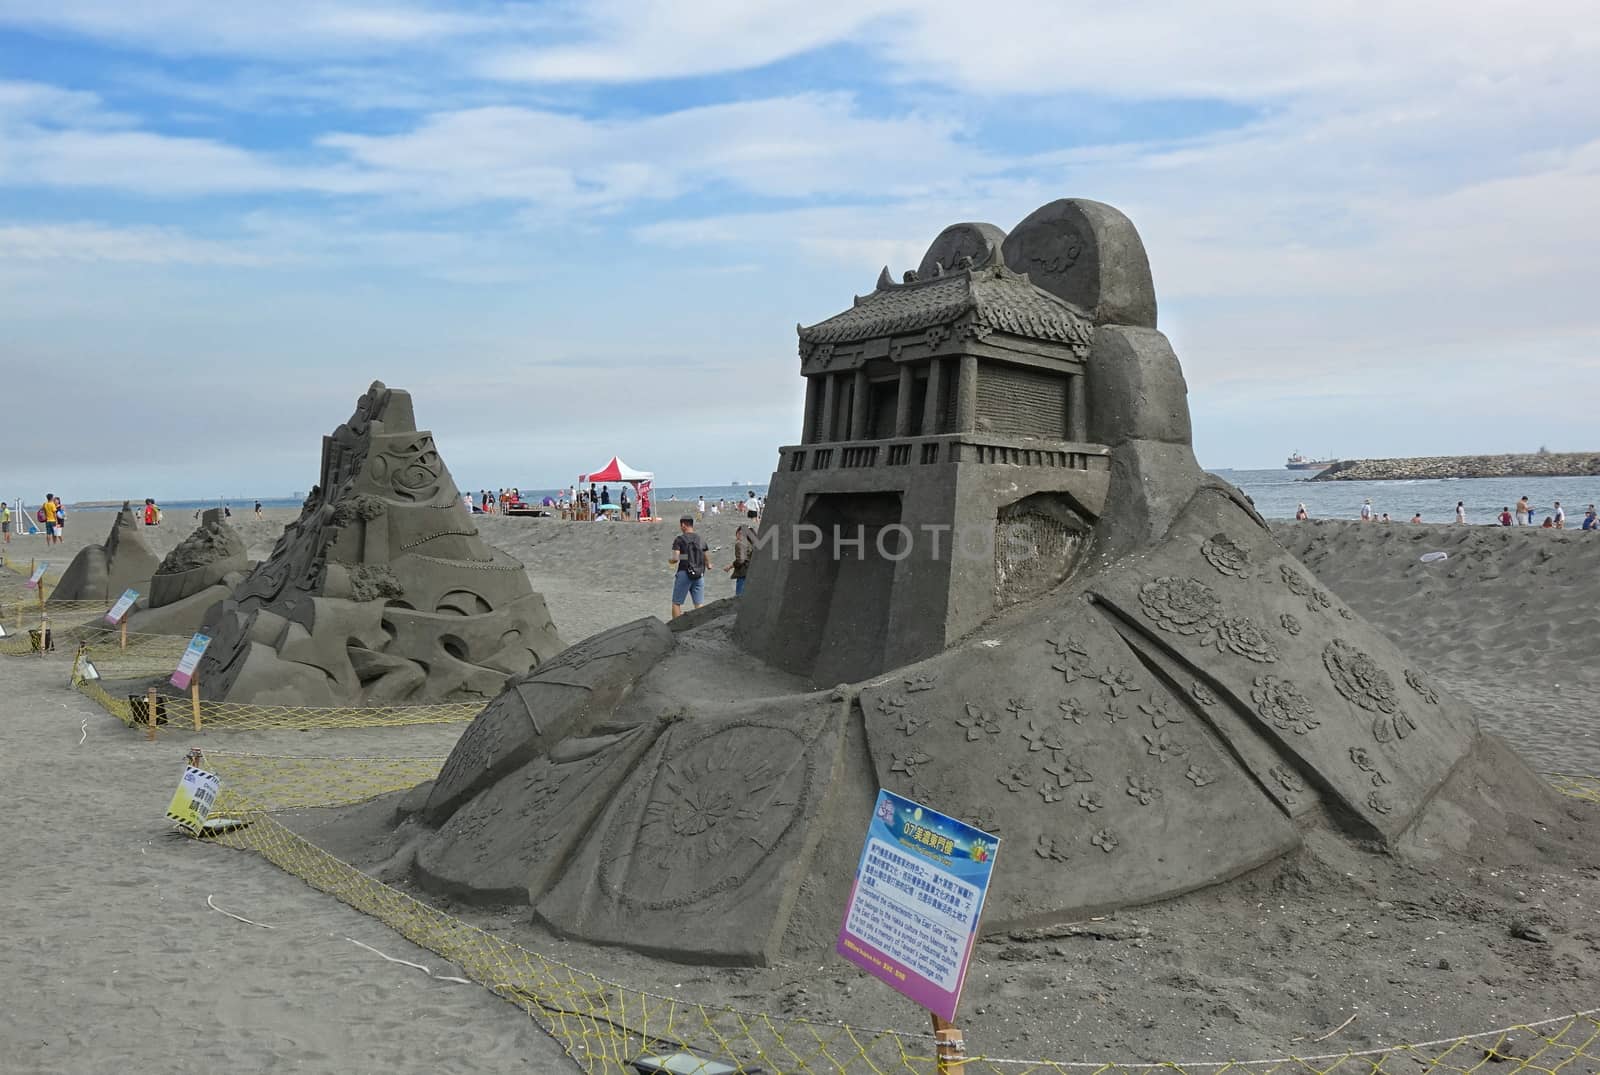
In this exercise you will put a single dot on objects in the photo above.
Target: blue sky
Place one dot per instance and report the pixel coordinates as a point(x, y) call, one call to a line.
point(578, 229)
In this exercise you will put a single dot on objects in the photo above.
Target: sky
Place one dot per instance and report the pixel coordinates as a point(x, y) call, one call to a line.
point(574, 230)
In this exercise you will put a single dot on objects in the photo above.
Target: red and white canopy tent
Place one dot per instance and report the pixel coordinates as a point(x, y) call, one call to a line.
point(618, 471)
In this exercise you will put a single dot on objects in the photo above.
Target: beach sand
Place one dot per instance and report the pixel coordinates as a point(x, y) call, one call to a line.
point(114, 959)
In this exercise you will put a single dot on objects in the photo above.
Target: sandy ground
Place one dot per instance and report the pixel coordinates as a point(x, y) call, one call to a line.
point(114, 959)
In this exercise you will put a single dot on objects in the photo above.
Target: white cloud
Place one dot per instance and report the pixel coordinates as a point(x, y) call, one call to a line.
point(87, 242)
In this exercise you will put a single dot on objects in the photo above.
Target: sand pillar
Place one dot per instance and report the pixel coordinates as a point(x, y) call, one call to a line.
point(830, 401)
point(1077, 409)
point(902, 401)
point(859, 395)
point(808, 431)
point(967, 395)
point(932, 413)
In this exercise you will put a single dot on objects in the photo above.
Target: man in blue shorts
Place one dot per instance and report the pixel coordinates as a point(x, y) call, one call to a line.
point(690, 555)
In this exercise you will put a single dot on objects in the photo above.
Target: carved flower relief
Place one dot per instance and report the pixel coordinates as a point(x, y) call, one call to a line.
point(1200, 776)
point(1226, 556)
point(1367, 764)
point(1380, 802)
point(1294, 580)
point(1244, 637)
point(1116, 681)
point(909, 723)
point(1016, 707)
point(1203, 694)
point(1105, 840)
point(1318, 600)
point(908, 761)
point(1070, 670)
point(1051, 848)
point(1143, 789)
point(1072, 709)
point(1161, 746)
point(1054, 741)
point(1068, 645)
point(1181, 606)
point(1289, 782)
point(1160, 712)
point(1034, 736)
point(1015, 780)
point(1419, 683)
point(1280, 701)
point(1359, 678)
point(920, 683)
point(1289, 623)
point(1346, 613)
point(891, 704)
point(1114, 713)
point(1069, 770)
point(977, 723)
point(1049, 792)
point(1090, 801)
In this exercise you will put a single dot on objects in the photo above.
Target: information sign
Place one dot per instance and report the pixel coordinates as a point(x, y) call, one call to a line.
point(190, 660)
point(120, 609)
point(191, 803)
point(38, 573)
point(918, 894)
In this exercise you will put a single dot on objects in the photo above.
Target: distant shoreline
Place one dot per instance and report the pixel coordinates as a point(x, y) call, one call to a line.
point(1527, 465)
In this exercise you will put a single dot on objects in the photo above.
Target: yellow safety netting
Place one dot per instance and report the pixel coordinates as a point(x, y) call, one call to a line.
point(604, 1025)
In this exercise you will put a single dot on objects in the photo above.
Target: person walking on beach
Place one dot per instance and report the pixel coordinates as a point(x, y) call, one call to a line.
point(741, 559)
point(48, 513)
point(1560, 517)
point(692, 559)
point(700, 508)
point(1524, 512)
point(752, 506)
point(1366, 510)
point(5, 522)
point(1461, 513)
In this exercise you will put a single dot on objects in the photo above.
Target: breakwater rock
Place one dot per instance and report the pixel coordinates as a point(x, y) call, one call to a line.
point(1527, 465)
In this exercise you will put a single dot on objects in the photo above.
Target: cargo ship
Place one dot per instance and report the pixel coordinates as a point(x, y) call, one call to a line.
point(1300, 462)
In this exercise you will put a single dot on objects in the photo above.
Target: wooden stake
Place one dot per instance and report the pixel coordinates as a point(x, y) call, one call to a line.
point(150, 714)
point(124, 632)
point(949, 1046)
point(194, 701)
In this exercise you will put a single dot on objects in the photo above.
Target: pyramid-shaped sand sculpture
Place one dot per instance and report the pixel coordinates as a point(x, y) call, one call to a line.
point(1057, 626)
point(102, 572)
point(198, 574)
point(381, 592)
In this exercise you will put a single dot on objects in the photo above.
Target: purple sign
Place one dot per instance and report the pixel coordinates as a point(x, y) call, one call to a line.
point(914, 907)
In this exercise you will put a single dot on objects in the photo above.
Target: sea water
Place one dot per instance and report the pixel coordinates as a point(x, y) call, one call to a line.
point(1277, 493)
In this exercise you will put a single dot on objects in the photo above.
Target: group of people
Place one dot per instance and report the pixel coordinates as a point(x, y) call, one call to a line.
point(751, 505)
point(53, 514)
point(490, 502)
point(691, 560)
point(595, 502)
point(1522, 515)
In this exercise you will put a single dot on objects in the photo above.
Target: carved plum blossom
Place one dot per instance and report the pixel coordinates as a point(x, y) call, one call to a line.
point(909, 723)
point(1161, 746)
point(1068, 645)
point(1090, 801)
point(1105, 840)
point(1380, 802)
point(1034, 736)
point(1069, 770)
point(1203, 694)
point(977, 723)
point(1281, 702)
point(1289, 781)
point(890, 704)
point(1318, 600)
point(1289, 623)
point(1420, 683)
point(908, 761)
point(1200, 776)
point(1116, 681)
point(1181, 606)
point(1016, 707)
point(1346, 613)
point(1050, 848)
point(1054, 741)
point(1114, 713)
point(1359, 678)
point(1244, 637)
point(1070, 670)
point(919, 683)
point(1015, 780)
point(1049, 792)
point(1226, 556)
point(1160, 713)
point(1072, 709)
point(1294, 580)
point(1141, 788)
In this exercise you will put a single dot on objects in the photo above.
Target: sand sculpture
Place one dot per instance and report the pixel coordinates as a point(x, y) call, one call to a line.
point(197, 575)
point(102, 572)
point(1056, 625)
point(381, 592)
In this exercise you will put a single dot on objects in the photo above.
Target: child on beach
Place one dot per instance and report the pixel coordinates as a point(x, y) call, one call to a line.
point(1505, 516)
point(1461, 512)
point(741, 560)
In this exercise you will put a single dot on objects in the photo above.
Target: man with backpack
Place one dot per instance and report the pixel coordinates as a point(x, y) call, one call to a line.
point(691, 557)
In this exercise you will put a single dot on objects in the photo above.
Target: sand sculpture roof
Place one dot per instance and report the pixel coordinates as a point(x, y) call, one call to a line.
point(991, 295)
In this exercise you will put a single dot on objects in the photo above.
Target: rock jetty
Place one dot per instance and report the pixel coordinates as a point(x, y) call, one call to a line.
point(1526, 465)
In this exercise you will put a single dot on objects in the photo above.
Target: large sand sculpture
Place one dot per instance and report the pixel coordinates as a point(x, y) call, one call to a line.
point(102, 572)
point(1056, 626)
point(381, 592)
point(197, 575)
